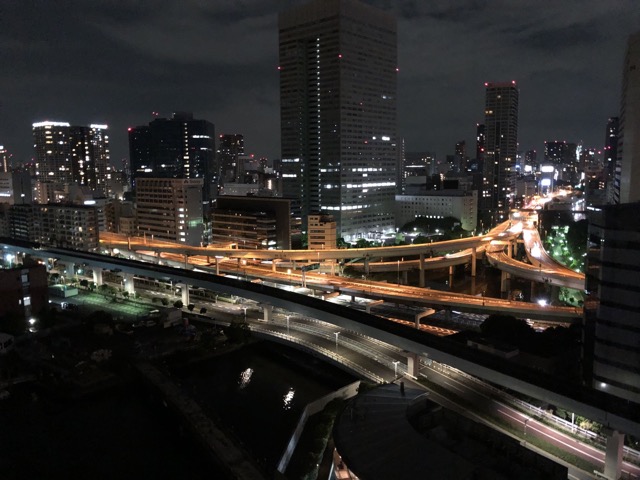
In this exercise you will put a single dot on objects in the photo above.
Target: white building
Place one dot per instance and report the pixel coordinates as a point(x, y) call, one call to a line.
point(439, 204)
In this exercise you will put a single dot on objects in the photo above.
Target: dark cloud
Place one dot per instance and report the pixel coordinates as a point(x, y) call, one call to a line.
point(116, 61)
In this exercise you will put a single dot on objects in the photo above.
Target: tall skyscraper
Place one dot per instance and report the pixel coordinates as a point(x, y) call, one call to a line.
point(68, 154)
point(338, 69)
point(627, 173)
point(4, 159)
point(481, 141)
point(611, 145)
point(612, 338)
point(501, 126)
point(230, 147)
point(179, 147)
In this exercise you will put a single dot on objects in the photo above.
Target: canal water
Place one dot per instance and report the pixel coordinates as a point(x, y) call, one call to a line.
point(256, 393)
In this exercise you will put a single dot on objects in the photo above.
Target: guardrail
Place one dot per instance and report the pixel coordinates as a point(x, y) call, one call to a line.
point(628, 453)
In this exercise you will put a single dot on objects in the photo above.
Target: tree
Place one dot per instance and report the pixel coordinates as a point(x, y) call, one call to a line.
point(238, 332)
point(84, 283)
point(125, 295)
point(203, 311)
point(178, 304)
point(165, 301)
point(190, 307)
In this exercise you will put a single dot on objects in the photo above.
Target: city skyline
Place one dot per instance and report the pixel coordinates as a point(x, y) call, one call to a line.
point(118, 65)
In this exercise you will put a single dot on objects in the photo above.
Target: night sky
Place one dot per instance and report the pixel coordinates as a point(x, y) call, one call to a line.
point(116, 62)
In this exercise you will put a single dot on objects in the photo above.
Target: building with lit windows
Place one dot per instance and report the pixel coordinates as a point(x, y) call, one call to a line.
point(252, 222)
point(501, 130)
point(459, 204)
point(322, 232)
point(67, 154)
point(4, 159)
point(15, 187)
point(338, 69)
point(179, 147)
point(611, 145)
point(57, 225)
point(170, 209)
point(24, 290)
point(612, 337)
point(627, 173)
point(230, 147)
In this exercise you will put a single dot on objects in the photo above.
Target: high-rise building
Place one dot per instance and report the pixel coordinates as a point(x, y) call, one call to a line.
point(501, 127)
point(611, 145)
point(67, 154)
point(612, 338)
point(170, 209)
point(338, 69)
point(179, 147)
point(627, 173)
point(4, 159)
point(230, 147)
point(68, 226)
point(481, 141)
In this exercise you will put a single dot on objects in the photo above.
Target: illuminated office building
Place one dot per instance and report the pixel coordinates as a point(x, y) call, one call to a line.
point(67, 154)
point(338, 69)
point(501, 129)
point(179, 147)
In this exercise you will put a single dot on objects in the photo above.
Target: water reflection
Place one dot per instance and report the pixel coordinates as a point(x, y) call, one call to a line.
point(245, 378)
point(288, 399)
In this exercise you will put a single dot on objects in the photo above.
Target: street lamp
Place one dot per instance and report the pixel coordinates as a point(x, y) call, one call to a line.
point(245, 313)
point(395, 368)
point(398, 272)
point(289, 273)
point(526, 420)
point(336, 334)
point(287, 325)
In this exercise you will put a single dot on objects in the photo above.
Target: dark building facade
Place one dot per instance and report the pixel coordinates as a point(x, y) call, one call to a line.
point(338, 87)
point(252, 222)
point(230, 147)
point(611, 146)
point(23, 291)
point(501, 127)
point(68, 154)
point(179, 147)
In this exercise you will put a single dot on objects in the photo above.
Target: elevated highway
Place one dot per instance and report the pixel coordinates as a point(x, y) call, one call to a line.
point(596, 405)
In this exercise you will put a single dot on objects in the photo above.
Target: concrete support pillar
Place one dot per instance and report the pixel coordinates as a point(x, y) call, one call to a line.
point(424, 313)
point(186, 261)
point(413, 364)
point(97, 276)
point(217, 266)
point(533, 290)
point(505, 281)
point(366, 266)
point(421, 284)
point(509, 250)
point(613, 458)
point(555, 294)
point(473, 261)
point(67, 269)
point(451, 270)
point(185, 293)
point(447, 314)
point(333, 267)
point(405, 277)
point(268, 312)
point(371, 304)
point(128, 283)
point(304, 278)
point(353, 298)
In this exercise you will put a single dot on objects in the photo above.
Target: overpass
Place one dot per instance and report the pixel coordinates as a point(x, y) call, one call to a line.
point(593, 404)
